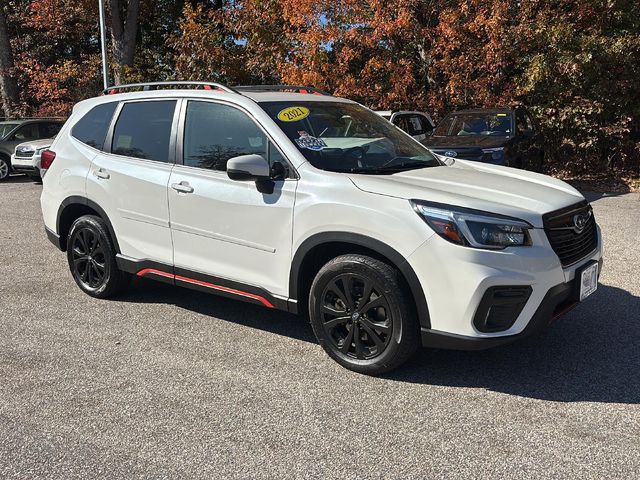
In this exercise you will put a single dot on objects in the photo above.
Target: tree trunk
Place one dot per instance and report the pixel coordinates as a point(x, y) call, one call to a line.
point(8, 85)
point(124, 29)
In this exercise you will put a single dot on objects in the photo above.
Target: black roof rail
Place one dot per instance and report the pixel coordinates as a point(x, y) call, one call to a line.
point(158, 85)
point(281, 88)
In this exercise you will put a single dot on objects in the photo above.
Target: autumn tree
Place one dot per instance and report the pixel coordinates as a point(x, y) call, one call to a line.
point(8, 84)
point(124, 29)
point(574, 62)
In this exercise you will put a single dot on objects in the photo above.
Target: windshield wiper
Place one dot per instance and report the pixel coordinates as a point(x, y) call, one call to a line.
point(406, 165)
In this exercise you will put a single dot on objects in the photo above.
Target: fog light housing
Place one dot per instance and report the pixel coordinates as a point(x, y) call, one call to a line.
point(500, 308)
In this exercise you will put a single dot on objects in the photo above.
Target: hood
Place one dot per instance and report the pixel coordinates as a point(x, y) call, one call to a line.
point(479, 141)
point(503, 190)
point(35, 144)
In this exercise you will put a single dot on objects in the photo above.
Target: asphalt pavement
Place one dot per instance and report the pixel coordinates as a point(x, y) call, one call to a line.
point(170, 383)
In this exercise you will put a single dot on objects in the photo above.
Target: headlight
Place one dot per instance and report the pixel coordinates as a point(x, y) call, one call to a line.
point(473, 228)
point(496, 153)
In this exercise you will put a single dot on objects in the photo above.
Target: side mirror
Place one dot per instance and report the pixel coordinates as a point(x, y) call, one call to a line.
point(248, 167)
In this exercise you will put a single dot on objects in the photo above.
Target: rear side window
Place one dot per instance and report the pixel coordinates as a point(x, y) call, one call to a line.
point(92, 128)
point(49, 129)
point(143, 130)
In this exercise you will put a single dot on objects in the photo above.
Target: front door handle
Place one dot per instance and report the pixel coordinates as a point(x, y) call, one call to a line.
point(100, 173)
point(182, 187)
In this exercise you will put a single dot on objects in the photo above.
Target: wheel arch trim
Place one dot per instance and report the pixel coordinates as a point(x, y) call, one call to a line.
point(359, 240)
point(80, 200)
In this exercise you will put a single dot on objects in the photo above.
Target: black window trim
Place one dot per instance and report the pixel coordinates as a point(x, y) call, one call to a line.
point(179, 144)
point(106, 149)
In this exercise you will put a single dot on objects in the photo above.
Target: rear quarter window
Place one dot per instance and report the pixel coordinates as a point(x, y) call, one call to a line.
point(92, 128)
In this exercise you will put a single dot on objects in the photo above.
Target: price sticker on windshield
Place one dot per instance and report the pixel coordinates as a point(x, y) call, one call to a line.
point(310, 143)
point(293, 114)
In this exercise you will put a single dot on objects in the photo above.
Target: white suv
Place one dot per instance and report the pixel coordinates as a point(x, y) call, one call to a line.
point(313, 204)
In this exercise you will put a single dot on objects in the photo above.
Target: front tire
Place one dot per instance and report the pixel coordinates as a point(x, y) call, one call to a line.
point(361, 314)
point(5, 168)
point(92, 258)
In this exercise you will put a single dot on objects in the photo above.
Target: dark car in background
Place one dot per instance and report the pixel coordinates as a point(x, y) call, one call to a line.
point(15, 132)
point(500, 136)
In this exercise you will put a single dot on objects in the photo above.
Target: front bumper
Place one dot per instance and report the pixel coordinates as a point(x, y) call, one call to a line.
point(558, 301)
point(455, 280)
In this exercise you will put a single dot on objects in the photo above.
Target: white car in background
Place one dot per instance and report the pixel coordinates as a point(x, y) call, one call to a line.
point(26, 158)
point(417, 124)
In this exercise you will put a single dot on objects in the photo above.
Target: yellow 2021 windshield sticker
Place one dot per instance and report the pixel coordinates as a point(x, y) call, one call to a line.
point(293, 114)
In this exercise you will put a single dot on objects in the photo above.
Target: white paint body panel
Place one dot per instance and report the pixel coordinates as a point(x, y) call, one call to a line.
point(229, 229)
point(135, 199)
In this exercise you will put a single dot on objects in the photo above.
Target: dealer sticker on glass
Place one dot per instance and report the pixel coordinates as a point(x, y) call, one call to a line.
point(310, 143)
point(588, 281)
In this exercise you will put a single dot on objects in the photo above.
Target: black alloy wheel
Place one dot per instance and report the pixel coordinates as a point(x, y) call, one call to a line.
point(92, 258)
point(356, 317)
point(89, 262)
point(362, 314)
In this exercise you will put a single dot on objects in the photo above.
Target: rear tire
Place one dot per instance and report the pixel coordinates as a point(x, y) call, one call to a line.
point(362, 315)
point(92, 258)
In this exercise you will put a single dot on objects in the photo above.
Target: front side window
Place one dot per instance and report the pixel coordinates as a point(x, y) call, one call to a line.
point(92, 128)
point(484, 124)
point(214, 133)
point(523, 122)
point(143, 130)
point(6, 128)
point(346, 137)
point(27, 132)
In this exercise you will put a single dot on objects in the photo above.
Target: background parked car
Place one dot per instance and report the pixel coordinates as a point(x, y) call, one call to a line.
point(15, 132)
point(501, 136)
point(26, 158)
point(417, 124)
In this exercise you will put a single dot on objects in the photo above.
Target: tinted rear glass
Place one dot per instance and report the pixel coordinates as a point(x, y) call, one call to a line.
point(49, 130)
point(143, 130)
point(92, 128)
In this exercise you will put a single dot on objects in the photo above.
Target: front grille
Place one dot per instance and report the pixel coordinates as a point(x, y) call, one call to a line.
point(571, 245)
point(462, 153)
point(24, 153)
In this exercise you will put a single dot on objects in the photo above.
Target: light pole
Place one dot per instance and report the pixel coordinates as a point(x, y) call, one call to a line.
point(103, 45)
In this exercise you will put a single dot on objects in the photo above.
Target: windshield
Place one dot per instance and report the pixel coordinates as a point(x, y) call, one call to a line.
point(345, 137)
point(5, 128)
point(455, 124)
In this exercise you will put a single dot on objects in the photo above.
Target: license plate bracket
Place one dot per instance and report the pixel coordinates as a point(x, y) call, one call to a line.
point(587, 279)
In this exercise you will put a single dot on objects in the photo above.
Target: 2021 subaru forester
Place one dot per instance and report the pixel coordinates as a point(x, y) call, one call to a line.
point(293, 199)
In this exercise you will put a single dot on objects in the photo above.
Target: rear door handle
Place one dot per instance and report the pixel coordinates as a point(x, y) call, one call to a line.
point(100, 173)
point(182, 187)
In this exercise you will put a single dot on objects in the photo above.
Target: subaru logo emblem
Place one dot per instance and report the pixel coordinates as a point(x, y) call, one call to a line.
point(580, 221)
point(451, 153)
